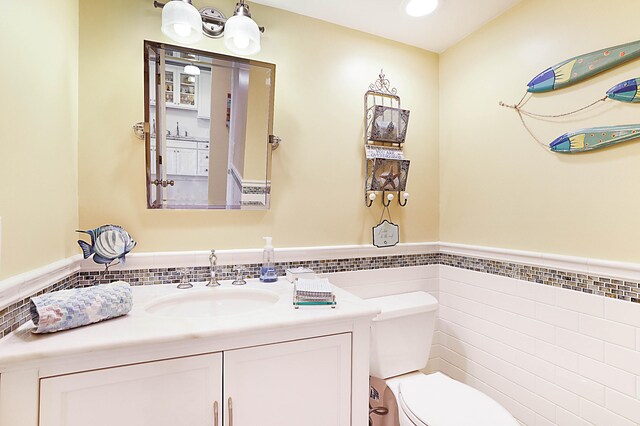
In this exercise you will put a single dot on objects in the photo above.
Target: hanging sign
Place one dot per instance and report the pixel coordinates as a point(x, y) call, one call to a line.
point(386, 234)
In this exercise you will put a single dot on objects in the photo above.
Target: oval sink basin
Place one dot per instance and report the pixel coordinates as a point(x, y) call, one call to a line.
point(212, 303)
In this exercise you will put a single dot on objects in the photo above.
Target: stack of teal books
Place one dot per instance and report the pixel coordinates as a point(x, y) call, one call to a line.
point(313, 292)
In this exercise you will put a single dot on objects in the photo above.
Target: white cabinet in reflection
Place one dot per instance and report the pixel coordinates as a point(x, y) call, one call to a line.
point(183, 158)
point(186, 161)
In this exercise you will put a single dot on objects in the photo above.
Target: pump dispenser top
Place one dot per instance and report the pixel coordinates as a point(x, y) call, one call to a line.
point(268, 270)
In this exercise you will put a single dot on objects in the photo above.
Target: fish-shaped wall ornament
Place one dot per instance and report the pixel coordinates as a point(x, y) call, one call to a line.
point(581, 67)
point(594, 138)
point(108, 243)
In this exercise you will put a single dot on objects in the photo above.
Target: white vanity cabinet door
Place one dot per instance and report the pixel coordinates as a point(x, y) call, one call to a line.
point(171, 160)
point(187, 161)
point(181, 158)
point(303, 382)
point(179, 391)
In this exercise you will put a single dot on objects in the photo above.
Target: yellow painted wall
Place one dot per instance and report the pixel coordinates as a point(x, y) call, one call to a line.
point(38, 138)
point(498, 186)
point(322, 72)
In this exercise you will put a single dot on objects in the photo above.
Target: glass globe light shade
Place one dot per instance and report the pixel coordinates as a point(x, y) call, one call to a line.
point(181, 22)
point(242, 35)
point(191, 70)
point(420, 7)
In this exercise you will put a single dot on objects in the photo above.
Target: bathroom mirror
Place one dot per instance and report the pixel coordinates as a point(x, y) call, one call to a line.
point(208, 121)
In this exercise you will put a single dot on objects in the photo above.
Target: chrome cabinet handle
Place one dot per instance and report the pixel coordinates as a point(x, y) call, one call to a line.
point(230, 413)
point(215, 413)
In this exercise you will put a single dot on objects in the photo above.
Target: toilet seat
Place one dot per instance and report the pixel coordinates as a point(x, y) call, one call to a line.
point(437, 400)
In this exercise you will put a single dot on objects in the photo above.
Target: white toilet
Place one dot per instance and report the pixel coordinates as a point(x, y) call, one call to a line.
point(401, 338)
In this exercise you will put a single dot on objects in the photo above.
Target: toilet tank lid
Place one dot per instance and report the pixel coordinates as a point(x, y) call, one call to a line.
point(404, 304)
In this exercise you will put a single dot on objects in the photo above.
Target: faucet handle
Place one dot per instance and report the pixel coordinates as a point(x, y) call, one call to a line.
point(184, 281)
point(239, 276)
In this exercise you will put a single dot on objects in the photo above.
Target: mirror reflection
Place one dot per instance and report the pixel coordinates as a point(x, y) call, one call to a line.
point(209, 118)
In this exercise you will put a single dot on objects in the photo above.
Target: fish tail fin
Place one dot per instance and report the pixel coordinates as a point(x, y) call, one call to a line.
point(91, 233)
point(86, 248)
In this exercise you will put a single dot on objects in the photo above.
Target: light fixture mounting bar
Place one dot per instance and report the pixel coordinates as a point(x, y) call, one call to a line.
point(205, 18)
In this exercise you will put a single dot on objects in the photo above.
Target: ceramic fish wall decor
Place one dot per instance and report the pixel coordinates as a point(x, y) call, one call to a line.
point(594, 138)
point(580, 68)
point(108, 243)
point(627, 91)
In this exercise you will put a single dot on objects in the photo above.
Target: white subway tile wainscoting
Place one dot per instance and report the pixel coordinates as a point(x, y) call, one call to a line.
point(550, 355)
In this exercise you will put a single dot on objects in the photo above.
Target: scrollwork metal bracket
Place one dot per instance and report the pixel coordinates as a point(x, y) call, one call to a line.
point(382, 85)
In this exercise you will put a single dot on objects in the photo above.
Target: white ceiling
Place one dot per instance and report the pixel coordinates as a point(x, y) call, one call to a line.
point(452, 21)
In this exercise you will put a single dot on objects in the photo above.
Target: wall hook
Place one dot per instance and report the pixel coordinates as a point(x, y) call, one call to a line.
point(369, 199)
point(386, 198)
point(404, 196)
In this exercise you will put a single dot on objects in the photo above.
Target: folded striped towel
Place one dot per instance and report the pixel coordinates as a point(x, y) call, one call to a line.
point(61, 310)
point(313, 287)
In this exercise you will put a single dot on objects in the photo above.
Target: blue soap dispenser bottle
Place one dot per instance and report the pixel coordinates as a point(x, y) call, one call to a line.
point(268, 269)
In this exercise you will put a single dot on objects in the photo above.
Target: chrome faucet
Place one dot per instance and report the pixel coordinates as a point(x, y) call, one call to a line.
point(213, 270)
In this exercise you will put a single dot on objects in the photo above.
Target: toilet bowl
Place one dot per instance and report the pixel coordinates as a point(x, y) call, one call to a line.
point(401, 338)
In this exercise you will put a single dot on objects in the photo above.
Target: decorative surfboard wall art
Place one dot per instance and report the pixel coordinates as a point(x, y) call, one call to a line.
point(576, 70)
point(627, 91)
point(594, 138)
point(582, 67)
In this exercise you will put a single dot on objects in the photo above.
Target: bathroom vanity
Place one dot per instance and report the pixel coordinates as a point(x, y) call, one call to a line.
point(203, 356)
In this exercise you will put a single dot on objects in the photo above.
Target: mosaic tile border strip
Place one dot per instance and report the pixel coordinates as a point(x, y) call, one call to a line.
point(586, 283)
point(252, 270)
point(16, 314)
point(256, 189)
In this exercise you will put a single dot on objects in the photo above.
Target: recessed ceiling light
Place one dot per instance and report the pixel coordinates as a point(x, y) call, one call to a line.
point(420, 7)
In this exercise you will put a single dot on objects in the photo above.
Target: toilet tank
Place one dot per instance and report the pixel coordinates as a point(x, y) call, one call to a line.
point(401, 334)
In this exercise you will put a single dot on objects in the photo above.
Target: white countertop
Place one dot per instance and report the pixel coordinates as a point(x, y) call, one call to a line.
point(139, 327)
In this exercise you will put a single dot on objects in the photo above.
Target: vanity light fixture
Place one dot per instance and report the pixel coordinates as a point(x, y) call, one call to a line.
point(183, 23)
point(419, 8)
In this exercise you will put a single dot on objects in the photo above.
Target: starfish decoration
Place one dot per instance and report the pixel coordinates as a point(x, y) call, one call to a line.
point(389, 179)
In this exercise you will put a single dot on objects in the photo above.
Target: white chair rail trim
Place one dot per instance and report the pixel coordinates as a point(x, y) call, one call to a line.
point(21, 286)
